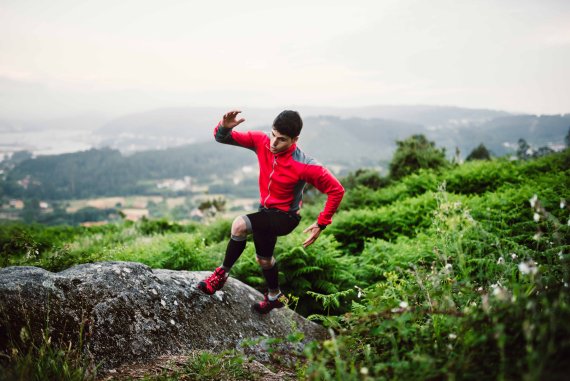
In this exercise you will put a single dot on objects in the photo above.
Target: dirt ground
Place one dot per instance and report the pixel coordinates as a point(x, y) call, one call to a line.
point(173, 365)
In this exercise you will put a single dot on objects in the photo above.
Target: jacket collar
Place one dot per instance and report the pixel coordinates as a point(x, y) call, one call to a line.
point(288, 151)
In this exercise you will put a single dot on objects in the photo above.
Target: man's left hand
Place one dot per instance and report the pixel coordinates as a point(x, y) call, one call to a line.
point(315, 231)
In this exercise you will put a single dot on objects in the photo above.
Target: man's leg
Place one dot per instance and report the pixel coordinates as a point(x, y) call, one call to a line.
point(236, 245)
point(276, 224)
point(264, 244)
point(271, 275)
point(240, 228)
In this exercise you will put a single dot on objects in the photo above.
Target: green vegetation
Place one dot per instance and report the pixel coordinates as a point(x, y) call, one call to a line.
point(414, 153)
point(479, 153)
point(47, 360)
point(105, 172)
point(460, 272)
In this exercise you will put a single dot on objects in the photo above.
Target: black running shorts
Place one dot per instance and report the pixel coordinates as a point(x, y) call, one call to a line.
point(268, 224)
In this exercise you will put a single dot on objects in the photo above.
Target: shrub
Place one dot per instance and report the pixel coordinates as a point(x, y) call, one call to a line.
point(479, 153)
point(407, 218)
point(414, 153)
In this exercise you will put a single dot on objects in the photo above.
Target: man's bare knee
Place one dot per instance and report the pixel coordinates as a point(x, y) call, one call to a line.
point(239, 227)
point(265, 263)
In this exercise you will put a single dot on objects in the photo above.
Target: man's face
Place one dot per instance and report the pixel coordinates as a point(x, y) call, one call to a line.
point(280, 142)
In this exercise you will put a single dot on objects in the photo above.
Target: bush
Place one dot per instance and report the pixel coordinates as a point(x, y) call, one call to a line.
point(471, 304)
point(414, 153)
point(403, 218)
point(479, 153)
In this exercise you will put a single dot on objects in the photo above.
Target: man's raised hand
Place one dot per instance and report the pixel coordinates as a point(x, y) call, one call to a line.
point(314, 232)
point(230, 120)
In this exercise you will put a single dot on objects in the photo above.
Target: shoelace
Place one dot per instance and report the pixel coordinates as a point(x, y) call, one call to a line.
point(216, 278)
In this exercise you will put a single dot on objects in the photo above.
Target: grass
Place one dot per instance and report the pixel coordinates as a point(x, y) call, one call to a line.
point(423, 279)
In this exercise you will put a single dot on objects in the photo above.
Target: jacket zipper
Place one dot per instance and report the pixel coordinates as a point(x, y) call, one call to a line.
point(269, 184)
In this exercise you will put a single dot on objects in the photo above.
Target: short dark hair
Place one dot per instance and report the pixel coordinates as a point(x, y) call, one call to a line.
point(288, 123)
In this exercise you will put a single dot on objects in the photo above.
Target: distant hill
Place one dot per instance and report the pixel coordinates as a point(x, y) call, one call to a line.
point(342, 142)
point(501, 134)
point(167, 127)
point(349, 144)
point(357, 141)
point(380, 125)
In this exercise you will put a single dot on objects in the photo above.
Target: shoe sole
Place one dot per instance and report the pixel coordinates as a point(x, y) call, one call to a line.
point(202, 287)
point(253, 309)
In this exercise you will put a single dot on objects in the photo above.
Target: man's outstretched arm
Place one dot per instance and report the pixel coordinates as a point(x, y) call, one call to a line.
point(326, 183)
point(230, 120)
point(224, 132)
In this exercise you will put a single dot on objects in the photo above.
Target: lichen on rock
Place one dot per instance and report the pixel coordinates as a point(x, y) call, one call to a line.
point(129, 312)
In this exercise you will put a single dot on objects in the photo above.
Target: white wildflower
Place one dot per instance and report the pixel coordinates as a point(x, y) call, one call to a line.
point(562, 204)
point(485, 302)
point(513, 256)
point(566, 284)
point(500, 292)
point(448, 267)
point(467, 215)
point(536, 217)
point(533, 201)
point(480, 289)
point(528, 267)
point(537, 236)
point(364, 371)
point(452, 336)
point(360, 292)
point(404, 304)
point(560, 255)
point(501, 261)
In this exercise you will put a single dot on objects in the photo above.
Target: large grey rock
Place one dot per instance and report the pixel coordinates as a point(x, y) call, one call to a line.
point(130, 312)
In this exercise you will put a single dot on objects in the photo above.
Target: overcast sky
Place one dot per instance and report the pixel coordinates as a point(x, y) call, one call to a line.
point(118, 56)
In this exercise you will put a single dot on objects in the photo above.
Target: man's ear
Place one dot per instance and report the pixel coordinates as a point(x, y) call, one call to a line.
point(295, 139)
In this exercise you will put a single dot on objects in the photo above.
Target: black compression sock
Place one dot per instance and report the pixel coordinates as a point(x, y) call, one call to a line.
point(272, 277)
point(233, 251)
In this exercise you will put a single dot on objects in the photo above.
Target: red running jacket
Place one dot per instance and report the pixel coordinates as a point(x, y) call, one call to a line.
point(282, 176)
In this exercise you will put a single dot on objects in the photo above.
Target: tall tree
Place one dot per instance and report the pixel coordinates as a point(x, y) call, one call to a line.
point(414, 153)
point(524, 151)
point(479, 153)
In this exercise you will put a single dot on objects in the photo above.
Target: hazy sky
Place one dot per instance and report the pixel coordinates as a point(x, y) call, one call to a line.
point(118, 56)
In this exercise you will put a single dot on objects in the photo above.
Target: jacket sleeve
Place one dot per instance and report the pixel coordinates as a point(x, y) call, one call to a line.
point(325, 182)
point(248, 139)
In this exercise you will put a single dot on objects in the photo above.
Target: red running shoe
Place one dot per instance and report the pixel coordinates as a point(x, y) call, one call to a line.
point(267, 305)
point(214, 282)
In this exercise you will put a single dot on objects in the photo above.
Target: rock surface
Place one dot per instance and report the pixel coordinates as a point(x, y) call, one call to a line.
point(130, 313)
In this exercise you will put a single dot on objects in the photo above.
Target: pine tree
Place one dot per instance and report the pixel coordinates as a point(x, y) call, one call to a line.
point(479, 153)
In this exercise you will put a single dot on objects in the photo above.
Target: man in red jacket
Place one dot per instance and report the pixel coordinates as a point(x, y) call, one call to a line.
point(283, 172)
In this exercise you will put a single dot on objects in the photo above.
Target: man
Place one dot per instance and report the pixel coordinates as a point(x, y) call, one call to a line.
point(283, 172)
